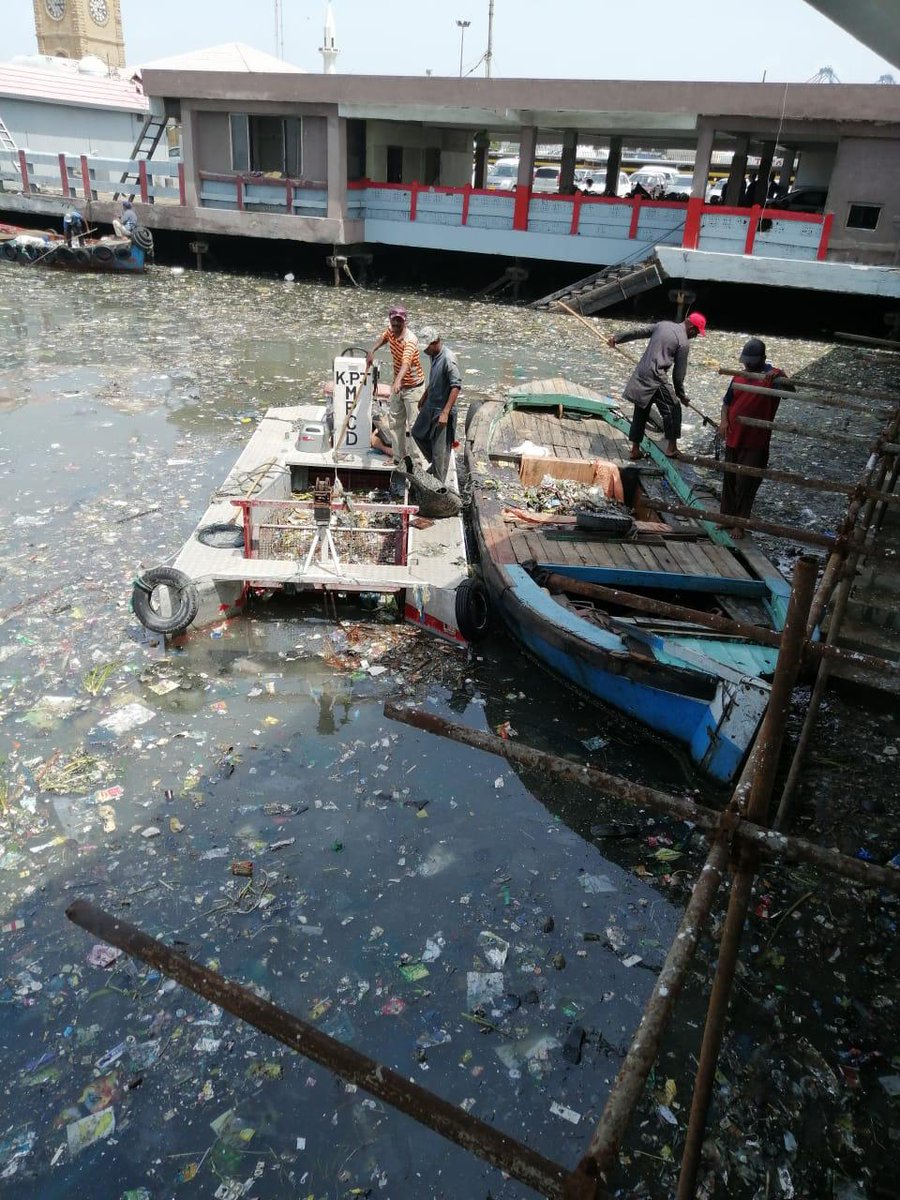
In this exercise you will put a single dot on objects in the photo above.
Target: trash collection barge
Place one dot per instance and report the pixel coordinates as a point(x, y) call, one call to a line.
point(295, 515)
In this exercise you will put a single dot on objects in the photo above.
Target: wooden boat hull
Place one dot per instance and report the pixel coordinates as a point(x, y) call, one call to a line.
point(707, 693)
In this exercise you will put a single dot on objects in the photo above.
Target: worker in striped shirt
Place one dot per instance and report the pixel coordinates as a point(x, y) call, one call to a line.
point(408, 386)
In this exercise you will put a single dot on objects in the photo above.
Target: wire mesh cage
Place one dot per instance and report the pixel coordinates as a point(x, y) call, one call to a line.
point(373, 534)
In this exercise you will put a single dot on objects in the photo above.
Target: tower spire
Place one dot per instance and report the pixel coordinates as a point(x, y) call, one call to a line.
point(328, 49)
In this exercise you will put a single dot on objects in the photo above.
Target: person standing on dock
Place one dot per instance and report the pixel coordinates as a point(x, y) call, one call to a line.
point(435, 428)
point(649, 383)
point(748, 445)
point(409, 379)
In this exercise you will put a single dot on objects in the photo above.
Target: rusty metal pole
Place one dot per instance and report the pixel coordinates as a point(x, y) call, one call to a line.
point(629, 1084)
point(449, 1120)
point(708, 819)
point(770, 741)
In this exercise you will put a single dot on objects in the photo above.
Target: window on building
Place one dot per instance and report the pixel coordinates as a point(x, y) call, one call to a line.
point(863, 216)
point(356, 150)
point(267, 144)
point(394, 164)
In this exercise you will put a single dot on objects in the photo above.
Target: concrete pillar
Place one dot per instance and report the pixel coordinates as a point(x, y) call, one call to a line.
point(761, 190)
point(788, 157)
point(189, 155)
point(567, 162)
point(705, 140)
point(738, 170)
point(482, 143)
point(336, 143)
point(527, 149)
point(613, 166)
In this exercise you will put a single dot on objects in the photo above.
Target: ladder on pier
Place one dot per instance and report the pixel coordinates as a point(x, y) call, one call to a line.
point(607, 287)
point(144, 148)
point(8, 145)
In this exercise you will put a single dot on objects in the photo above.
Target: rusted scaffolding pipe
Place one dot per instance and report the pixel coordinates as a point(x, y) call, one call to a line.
point(449, 1120)
point(754, 524)
point(683, 809)
point(677, 612)
point(841, 487)
point(815, 435)
point(771, 737)
point(827, 388)
point(632, 1076)
point(822, 401)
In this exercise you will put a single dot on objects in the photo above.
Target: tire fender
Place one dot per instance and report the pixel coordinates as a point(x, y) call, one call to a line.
point(186, 602)
point(473, 610)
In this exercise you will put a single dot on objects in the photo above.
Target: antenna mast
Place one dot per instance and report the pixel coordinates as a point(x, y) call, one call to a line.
point(279, 30)
point(489, 53)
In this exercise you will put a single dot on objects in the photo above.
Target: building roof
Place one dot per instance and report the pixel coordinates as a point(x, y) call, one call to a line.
point(872, 22)
point(48, 85)
point(231, 57)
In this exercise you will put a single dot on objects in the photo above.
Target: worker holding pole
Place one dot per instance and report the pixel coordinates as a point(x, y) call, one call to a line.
point(748, 445)
point(649, 383)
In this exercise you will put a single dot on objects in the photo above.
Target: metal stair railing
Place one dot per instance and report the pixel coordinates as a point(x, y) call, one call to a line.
point(144, 149)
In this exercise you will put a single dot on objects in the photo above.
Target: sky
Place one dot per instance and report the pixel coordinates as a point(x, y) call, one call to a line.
point(573, 39)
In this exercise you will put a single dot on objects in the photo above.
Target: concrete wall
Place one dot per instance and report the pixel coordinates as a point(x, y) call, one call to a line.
point(59, 128)
point(863, 177)
point(455, 146)
point(212, 132)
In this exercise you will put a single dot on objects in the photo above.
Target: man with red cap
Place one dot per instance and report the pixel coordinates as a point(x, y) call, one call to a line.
point(649, 383)
point(748, 445)
point(409, 379)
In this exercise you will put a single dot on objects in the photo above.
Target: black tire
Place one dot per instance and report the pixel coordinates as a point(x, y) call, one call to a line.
point(103, 254)
point(10, 252)
point(27, 254)
point(123, 252)
point(65, 254)
point(187, 600)
point(80, 256)
point(222, 535)
point(470, 414)
point(143, 238)
point(614, 523)
point(473, 610)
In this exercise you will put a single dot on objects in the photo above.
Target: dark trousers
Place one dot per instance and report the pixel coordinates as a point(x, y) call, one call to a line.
point(435, 441)
point(739, 491)
point(670, 411)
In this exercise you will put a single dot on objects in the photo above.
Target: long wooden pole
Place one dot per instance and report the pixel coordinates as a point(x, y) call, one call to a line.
point(841, 487)
point(822, 401)
point(770, 740)
point(815, 435)
point(554, 766)
point(878, 343)
point(827, 388)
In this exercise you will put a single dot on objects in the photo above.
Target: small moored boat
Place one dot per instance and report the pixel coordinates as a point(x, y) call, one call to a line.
point(553, 549)
point(39, 248)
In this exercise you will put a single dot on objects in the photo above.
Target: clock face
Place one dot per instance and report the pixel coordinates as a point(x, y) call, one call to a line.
point(99, 11)
point(56, 8)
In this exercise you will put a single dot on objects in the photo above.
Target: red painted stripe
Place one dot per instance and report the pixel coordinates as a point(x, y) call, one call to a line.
point(822, 252)
point(240, 193)
point(86, 178)
point(520, 211)
point(413, 201)
point(182, 187)
point(413, 615)
point(576, 213)
point(752, 226)
point(64, 174)
point(467, 192)
point(289, 196)
point(142, 176)
point(635, 216)
point(23, 167)
point(691, 237)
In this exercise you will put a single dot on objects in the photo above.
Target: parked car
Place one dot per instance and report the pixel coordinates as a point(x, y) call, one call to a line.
point(546, 179)
point(802, 199)
point(679, 187)
point(715, 192)
point(595, 184)
point(654, 180)
point(502, 176)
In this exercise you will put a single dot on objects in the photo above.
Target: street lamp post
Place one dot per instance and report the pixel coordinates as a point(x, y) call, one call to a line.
point(463, 26)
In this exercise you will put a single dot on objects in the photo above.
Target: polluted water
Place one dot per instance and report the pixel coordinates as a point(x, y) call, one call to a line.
point(241, 796)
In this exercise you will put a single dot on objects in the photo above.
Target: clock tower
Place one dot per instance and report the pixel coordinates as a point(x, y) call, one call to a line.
point(74, 28)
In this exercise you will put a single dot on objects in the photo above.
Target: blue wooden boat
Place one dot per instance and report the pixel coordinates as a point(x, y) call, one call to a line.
point(707, 691)
point(40, 248)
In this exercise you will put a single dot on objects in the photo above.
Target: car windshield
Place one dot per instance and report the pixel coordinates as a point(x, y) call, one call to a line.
point(681, 183)
point(546, 173)
point(504, 170)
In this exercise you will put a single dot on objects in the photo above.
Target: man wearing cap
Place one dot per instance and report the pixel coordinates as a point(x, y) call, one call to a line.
point(435, 428)
point(409, 378)
point(649, 383)
point(748, 445)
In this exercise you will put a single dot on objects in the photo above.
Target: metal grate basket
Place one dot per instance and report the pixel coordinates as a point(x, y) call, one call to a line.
point(374, 534)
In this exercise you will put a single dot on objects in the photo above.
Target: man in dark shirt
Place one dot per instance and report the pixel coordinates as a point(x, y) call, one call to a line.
point(435, 428)
point(748, 445)
point(649, 383)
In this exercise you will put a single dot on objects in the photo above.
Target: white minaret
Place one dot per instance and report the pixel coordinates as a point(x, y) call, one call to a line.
point(329, 50)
